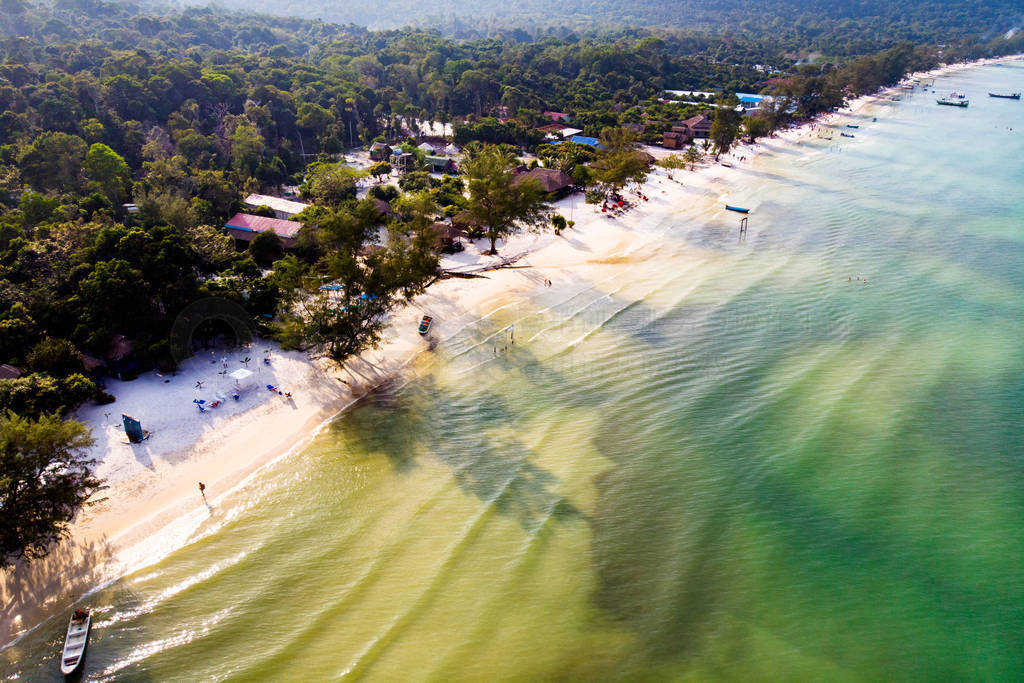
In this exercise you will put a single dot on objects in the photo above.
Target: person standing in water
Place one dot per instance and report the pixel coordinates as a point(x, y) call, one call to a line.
point(202, 490)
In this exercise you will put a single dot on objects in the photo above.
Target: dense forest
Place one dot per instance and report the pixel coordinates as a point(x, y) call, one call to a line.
point(833, 27)
point(129, 134)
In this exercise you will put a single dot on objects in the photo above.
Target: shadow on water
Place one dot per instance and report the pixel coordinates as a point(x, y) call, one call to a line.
point(472, 435)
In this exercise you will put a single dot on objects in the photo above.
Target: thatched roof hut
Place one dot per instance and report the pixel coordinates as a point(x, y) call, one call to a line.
point(550, 179)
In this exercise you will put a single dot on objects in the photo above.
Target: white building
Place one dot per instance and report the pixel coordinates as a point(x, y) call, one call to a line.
point(283, 208)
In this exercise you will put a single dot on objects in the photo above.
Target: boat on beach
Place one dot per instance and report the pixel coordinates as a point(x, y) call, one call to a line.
point(737, 209)
point(847, 135)
point(850, 125)
point(1005, 96)
point(75, 641)
point(425, 322)
point(953, 102)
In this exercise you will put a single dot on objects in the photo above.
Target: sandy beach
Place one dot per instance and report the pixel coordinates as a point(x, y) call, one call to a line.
point(152, 504)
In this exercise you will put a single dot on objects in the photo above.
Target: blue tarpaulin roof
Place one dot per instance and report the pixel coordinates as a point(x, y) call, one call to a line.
point(583, 140)
point(747, 98)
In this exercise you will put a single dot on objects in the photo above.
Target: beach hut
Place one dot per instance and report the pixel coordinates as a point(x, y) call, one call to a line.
point(550, 179)
point(440, 164)
point(380, 152)
point(448, 236)
point(120, 358)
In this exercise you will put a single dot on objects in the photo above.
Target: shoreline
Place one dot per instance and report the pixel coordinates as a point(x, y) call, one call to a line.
point(153, 508)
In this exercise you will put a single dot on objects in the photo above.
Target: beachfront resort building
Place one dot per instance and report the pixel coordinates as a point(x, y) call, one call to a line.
point(698, 126)
point(245, 226)
point(283, 208)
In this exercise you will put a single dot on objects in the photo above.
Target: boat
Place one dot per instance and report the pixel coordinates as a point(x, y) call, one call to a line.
point(848, 135)
point(75, 642)
point(1005, 96)
point(737, 209)
point(953, 102)
point(425, 324)
point(850, 125)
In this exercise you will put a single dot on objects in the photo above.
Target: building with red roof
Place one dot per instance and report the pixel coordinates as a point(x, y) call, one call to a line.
point(556, 116)
point(245, 226)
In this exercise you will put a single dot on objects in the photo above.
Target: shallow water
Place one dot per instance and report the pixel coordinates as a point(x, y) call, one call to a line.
point(728, 459)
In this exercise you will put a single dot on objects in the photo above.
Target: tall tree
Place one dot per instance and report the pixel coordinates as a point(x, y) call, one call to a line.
point(54, 161)
point(366, 282)
point(620, 162)
point(726, 125)
point(109, 171)
point(44, 481)
point(499, 201)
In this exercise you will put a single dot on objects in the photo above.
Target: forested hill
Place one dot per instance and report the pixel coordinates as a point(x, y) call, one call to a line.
point(744, 31)
point(152, 25)
point(839, 27)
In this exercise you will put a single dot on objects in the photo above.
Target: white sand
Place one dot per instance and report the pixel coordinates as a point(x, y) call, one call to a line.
point(152, 504)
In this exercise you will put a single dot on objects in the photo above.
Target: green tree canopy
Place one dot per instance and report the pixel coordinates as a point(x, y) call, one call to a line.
point(54, 161)
point(44, 481)
point(620, 162)
point(726, 124)
point(500, 202)
point(109, 171)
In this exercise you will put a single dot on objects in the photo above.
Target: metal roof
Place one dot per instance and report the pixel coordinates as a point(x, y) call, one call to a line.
point(276, 203)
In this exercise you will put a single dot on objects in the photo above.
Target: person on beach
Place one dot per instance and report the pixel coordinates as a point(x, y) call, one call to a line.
point(202, 490)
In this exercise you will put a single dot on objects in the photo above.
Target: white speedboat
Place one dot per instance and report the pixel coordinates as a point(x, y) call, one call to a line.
point(75, 642)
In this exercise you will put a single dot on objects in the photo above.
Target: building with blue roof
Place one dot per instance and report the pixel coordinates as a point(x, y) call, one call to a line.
point(584, 140)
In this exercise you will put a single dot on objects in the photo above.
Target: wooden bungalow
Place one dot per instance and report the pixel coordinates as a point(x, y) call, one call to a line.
point(551, 180)
point(380, 152)
point(449, 237)
point(440, 164)
point(699, 126)
point(674, 139)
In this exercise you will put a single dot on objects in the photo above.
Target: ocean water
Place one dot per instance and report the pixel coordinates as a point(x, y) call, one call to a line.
point(797, 455)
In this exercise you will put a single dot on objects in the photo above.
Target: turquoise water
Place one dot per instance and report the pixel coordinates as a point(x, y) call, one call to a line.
point(726, 459)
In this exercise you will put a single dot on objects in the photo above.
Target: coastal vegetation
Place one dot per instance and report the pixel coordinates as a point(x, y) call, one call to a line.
point(44, 481)
point(498, 201)
point(129, 135)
